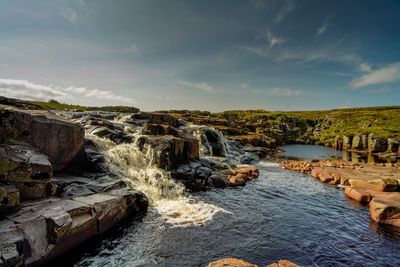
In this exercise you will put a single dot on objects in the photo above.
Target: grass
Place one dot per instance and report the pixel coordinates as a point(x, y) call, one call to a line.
point(55, 105)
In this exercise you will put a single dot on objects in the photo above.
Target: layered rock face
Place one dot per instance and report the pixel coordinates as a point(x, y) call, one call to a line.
point(45, 213)
point(61, 140)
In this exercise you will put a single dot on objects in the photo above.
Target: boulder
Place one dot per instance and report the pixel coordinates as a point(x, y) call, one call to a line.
point(171, 151)
point(385, 209)
point(159, 129)
point(61, 140)
point(360, 195)
point(241, 175)
point(230, 262)
point(382, 185)
point(283, 263)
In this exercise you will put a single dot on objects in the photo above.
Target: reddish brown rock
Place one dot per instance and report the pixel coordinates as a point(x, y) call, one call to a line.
point(385, 208)
point(241, 175)
point(231, 262)
point(360, 195)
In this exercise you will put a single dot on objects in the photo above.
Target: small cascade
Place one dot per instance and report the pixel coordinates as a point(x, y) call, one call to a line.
point(214, 145)
point(165, 194)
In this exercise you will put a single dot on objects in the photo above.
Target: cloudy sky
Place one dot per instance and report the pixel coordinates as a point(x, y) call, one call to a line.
point(208, 55)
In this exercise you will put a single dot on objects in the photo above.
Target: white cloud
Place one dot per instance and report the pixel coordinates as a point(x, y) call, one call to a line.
point(275, 40)
point(69, 14)
point(365, 67)
point(287, 7)
point(197, 85)
point(322, 28)
point(387, 74)
point(285, 92)
point(32, 91)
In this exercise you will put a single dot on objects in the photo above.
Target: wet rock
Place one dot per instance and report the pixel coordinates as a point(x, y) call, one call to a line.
point(283, 263)
point(58, 138)
point(153, 118)
point(159, 129)
point(12, 242)
point(230, 262)
point(241, 175)
point(195, 176)
point(360, 195)
point(385, 209)
point(171, 151)
point(383, 185)
point(9, 199)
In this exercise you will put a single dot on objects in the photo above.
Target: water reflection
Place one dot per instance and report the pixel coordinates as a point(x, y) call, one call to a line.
point(310, 152)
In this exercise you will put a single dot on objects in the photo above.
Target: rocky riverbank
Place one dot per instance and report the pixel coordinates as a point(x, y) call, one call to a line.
point(59, 187)
point(376, 185)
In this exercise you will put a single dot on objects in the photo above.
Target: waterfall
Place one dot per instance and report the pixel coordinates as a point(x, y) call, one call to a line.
point(214, 145)
point(165, 195)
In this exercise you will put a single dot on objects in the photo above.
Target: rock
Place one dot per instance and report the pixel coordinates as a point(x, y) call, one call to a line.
point(230, 262)
point(376, 144)
point(360, 195)
point(257, 140)
point(283, 263)
point(58, 138)
point(359, 142)
point(347, 142)
point(159, 129)
point(383, 185)
point(241, 175)
point(12, 241)
point(153, 118)
point(385, 209)
point(171, 151)
point(9, 199)
point(217, 181)
point(23, 164)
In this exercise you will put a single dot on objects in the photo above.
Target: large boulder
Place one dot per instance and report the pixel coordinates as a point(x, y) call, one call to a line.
point(152, 118)
point(171, 151)
point(61, 140)
point(385, 209)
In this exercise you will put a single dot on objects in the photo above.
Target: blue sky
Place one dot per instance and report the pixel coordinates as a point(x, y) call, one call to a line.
point(207, 55)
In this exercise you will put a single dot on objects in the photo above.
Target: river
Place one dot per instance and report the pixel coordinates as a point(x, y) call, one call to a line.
point(281, 215)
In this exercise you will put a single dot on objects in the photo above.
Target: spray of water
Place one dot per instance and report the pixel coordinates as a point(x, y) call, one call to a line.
point(165, 194)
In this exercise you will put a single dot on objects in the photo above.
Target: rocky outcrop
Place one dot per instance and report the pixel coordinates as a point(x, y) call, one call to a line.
point(171, 151)
point(257, 140)
point(359, 142)
point(347, 142)
point(376, 144)
point(61, 140)
point(241, 175)
point(41, 230)
point(232, 262)
point(153, 118)
point(28, 170)
point(385, 209)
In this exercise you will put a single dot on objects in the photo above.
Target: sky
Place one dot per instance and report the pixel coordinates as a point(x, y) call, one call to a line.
point(204, 55)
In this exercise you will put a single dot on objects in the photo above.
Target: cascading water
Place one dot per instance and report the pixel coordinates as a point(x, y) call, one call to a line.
point(165, 194)
point(214, 145)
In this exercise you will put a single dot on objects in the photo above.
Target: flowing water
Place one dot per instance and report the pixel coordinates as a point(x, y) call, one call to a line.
point(282, 214)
